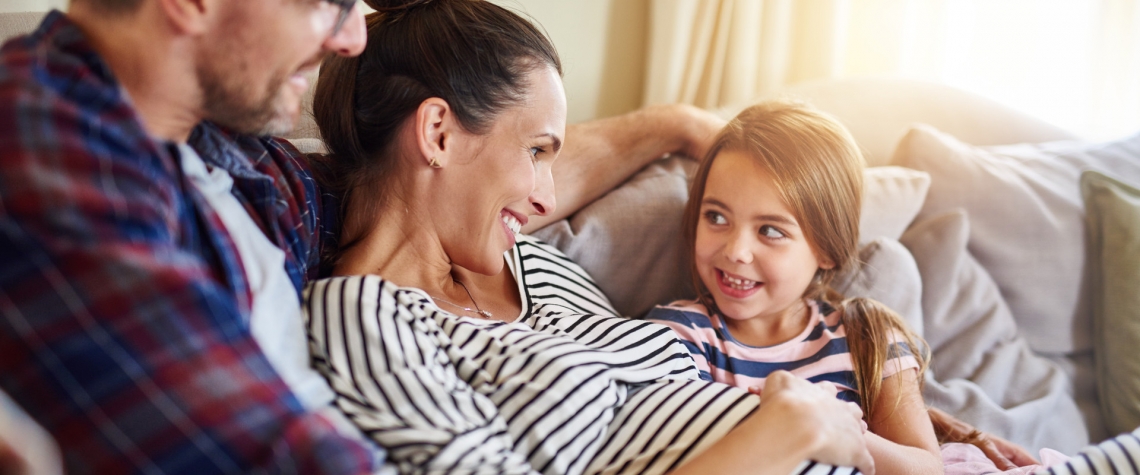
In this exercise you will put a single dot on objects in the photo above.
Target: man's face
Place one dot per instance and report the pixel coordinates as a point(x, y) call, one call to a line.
point(255, 68)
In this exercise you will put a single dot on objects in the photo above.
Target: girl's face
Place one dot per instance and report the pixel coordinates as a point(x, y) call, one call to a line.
point(751, 253)
point(507, 179)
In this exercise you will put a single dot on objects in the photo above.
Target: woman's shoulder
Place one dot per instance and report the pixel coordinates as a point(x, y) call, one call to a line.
point(550, 277)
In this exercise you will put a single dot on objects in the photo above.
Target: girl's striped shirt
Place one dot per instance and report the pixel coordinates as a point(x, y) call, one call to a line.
point(818, 353)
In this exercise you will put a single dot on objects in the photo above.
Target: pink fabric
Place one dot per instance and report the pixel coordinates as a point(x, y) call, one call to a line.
point(965, 459)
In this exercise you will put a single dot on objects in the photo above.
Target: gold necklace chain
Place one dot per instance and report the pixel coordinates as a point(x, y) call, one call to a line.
point(476, 310)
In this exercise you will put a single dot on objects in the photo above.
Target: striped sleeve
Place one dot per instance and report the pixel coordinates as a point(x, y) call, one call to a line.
point(1117, 456)
point(688, 333)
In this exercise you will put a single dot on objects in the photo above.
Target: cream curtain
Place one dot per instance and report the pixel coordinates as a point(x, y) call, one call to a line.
point(1073, 62)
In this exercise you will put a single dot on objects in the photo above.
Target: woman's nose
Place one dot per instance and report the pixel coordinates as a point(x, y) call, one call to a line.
point(542, 198)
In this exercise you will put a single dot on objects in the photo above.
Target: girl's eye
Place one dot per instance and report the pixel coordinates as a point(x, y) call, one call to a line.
point(771, 232)
point(714, 217)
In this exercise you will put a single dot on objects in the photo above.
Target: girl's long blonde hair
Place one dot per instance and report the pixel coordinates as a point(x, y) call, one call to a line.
point(818, 172)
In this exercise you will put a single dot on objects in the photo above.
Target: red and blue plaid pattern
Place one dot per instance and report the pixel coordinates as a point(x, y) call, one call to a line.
point(124, 308)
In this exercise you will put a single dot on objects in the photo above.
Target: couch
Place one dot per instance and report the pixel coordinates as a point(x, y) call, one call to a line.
point(979, 244)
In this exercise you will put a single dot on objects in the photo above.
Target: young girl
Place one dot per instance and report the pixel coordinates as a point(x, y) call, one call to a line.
point(773, 216)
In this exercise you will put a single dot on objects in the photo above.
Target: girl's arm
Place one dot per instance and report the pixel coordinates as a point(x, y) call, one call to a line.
point(902, 438)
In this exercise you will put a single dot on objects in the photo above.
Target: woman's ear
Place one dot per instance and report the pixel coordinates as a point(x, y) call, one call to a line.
point(435, 129)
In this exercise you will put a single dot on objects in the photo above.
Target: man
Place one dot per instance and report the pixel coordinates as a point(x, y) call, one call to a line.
point(153, 241)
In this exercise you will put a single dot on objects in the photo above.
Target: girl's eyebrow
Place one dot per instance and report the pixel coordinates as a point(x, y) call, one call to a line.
point(766, 218)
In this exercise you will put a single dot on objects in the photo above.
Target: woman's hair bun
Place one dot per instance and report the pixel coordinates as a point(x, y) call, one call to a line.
point(389, 6)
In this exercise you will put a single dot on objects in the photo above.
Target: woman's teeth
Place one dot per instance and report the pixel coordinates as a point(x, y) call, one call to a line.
point(512, 223)
point(739, 284)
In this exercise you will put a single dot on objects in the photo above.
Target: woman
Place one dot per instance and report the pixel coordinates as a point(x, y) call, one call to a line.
point(441, 147)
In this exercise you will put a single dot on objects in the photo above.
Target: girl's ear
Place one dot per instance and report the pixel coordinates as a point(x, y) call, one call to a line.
point(435, 129)
point(826, 264)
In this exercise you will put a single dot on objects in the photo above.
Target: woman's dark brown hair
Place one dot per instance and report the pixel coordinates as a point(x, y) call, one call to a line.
point(471, 53)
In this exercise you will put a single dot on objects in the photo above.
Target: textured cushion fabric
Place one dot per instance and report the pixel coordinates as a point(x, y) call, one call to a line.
point(981, 370)
point(887, 273)
point(630, 240)
point(1114, 275)
point(892, 197)
point(1026, 216)
point(18, 23)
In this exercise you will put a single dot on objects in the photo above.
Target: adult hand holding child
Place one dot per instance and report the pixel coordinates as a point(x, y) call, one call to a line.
point(813, 425)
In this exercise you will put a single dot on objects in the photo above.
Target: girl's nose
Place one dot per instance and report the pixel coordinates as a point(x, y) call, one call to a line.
point(739, 248)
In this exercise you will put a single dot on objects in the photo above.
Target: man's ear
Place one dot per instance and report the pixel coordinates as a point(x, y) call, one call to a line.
point(435, 131)
point(191, 17)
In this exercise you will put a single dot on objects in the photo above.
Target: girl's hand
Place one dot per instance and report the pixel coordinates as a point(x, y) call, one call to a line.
point(1005, 455)
point(836, 426)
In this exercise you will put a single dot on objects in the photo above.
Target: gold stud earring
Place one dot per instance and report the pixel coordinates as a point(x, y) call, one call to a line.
point(434, 163)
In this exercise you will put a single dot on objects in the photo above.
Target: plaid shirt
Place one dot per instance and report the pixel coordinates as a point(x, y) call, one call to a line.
point(124, 308)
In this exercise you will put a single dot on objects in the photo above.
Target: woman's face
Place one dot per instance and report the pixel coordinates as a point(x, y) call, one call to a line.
point(508, 179)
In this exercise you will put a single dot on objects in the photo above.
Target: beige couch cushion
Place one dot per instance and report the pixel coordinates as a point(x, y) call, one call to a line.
point(878, 111)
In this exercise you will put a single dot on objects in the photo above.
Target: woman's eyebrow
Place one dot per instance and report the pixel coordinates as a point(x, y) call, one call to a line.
point(553, 138)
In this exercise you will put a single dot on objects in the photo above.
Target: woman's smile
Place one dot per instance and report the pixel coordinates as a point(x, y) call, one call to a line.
point(512, 225)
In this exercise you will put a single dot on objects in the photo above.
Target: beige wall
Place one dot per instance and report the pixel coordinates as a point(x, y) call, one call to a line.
point(602, 44)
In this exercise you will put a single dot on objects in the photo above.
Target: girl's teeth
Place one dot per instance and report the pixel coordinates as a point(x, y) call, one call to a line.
point(740, 284)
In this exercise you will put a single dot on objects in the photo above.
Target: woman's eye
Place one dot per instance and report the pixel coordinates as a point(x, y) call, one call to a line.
point(771, 232)
point(714, 217)
point(534, 151)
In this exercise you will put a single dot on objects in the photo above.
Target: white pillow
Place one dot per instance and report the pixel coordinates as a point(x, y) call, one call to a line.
point(1026, 220)
point(631, 242)
point(892, 197)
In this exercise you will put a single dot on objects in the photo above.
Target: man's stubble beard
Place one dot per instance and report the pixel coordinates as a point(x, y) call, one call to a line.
point(232, 104)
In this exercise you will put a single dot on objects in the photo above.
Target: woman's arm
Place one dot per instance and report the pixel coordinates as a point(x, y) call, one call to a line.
point(901, 437)
point(601, 154)
point(796, 421)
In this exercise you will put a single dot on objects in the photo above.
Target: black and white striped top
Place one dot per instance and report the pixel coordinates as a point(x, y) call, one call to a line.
point(1116, 456)
point(569, 387)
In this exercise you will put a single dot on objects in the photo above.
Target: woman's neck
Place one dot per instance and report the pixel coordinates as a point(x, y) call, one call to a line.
point(402, 247)
point(405, 249)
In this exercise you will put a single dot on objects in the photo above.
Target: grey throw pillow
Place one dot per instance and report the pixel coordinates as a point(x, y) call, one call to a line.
point(1114, 275)
point(1026, 218)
